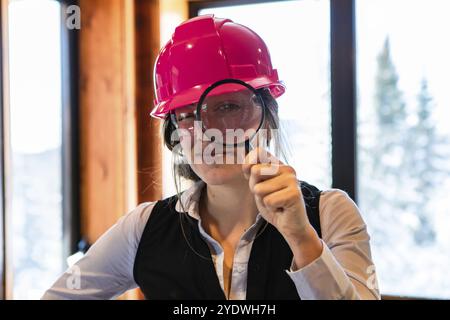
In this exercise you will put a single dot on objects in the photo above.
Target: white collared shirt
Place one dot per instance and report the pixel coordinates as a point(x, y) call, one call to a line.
point(344, 270)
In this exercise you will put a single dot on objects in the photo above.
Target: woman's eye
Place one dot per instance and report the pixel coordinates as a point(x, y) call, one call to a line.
point(229, 107)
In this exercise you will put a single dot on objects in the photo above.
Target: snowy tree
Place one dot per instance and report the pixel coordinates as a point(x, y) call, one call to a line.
point(402, 165)
point(381, 186)
point(423, 154)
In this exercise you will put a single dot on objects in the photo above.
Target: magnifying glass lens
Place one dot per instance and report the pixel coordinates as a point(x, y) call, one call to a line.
point(233, 110)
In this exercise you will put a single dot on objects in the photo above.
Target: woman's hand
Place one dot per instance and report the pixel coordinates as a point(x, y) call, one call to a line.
point(277, 193)
point(280, 201)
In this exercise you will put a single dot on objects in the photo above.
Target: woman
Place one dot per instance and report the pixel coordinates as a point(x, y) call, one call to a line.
point(244, 230)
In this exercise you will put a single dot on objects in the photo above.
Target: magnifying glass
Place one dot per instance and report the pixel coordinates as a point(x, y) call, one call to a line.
point(232, 108)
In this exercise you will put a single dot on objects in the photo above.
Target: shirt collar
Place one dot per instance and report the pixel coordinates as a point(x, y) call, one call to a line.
point(189, 199)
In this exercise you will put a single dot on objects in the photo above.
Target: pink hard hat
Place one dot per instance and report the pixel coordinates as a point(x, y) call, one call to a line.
point(206, 49)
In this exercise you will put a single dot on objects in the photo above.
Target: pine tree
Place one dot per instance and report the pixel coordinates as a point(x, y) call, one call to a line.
point(424, 151)
point(390, 107)
point(381, 188)
point(390, 110)
point(402, 168)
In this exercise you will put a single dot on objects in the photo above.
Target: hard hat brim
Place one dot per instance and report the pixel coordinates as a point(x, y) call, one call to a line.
point(192, 95)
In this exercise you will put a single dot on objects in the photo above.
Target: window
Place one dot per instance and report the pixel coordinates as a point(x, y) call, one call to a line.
point(36, 148)
point(298, 40)
point(404, 141)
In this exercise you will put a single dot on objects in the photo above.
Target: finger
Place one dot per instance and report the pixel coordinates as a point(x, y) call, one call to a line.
point(261, 172)
point(284, 180)
point(283, 198)
point(252, 158)
point(255, 156)
point(256, 174)
point(261, 189)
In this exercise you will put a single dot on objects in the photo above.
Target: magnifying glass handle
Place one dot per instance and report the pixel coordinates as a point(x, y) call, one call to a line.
point(248, 146)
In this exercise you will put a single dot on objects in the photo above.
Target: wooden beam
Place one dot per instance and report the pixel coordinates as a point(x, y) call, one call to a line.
point(107, 114)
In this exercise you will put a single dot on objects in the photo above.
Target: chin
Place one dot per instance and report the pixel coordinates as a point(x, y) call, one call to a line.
point(218, 174)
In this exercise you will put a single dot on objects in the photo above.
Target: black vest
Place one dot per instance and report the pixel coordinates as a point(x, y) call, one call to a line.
point(166, 267)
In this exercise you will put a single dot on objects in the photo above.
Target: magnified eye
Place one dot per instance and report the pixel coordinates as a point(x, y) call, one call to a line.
point(228, 107)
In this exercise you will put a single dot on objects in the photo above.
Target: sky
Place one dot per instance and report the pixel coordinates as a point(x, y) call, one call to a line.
point(418, 31)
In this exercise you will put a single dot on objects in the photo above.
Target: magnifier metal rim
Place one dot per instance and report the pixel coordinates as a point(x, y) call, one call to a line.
point(224, 81)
